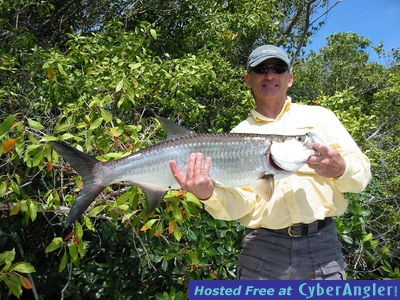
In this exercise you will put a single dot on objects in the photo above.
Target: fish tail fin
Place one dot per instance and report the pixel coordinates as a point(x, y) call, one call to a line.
point(87, 167)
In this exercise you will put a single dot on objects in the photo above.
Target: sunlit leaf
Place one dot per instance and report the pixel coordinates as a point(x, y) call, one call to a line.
point(78, 231)
point(107, 116)
point(3, 188)
point(114, 132)
point(50, 74)
point(7, 124)
point(177, 214)
point(63, 262)
point(8, 145)
point(148, 225)
point(177, 233)
point(35, 124)
point(119, 86)
point(88, 223)
point(159, 230)
point(171, 227)
point(61, 70)
point(367, 237)
point(347, 239)
point(7, 257)
point(153, 33)
point(73, 252)
point(23, 267)
point(55, 244)
point(96, 123)
point(49, 166)
point(13, 283)
point(32, 211)
point(26, 283)
point(96, 210)
point(62, 127)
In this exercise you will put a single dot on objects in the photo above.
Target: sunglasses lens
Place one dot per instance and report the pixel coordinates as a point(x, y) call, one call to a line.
point(280, 69)
point(264, 68)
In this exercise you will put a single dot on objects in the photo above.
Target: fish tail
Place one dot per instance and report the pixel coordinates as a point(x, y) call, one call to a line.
point(87, 166)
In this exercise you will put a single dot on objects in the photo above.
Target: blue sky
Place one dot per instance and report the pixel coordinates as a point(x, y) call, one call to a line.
point(377, 20)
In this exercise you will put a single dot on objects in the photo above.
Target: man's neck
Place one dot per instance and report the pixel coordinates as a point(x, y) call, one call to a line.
point(270, 109)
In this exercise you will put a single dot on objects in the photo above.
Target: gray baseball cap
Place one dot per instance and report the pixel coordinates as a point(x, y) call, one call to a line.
point(265, 52)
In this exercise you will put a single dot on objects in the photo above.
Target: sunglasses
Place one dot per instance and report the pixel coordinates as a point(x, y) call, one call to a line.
point(275, 68)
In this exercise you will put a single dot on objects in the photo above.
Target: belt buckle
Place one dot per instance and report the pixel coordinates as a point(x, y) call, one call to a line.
point(291, 233)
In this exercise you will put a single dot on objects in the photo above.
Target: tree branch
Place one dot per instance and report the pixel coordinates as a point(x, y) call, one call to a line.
point(301, 42)
point(376, 132)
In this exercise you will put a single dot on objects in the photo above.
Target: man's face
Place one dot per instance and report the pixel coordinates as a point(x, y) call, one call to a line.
point(271, 85)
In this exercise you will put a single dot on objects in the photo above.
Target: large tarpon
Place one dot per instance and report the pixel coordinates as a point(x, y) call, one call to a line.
point(237, 160)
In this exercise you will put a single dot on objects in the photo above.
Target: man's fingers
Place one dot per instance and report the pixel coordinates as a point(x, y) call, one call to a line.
point(191, 165)
point(178, 174)
point(198, 162)
point(174, 167)
point(321, 149)
point(207, 166)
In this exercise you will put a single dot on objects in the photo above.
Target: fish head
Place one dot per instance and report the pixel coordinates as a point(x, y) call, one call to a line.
point(290, 153)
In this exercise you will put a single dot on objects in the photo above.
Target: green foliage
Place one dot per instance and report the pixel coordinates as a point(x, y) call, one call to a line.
point(10, 273)
point(345, 105)
point(229, 28)
point(342, 65)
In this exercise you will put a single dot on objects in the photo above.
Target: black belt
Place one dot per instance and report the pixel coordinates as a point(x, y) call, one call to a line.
point(300, 230)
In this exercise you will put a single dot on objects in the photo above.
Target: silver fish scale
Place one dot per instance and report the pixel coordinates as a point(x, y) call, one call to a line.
point(230, 153)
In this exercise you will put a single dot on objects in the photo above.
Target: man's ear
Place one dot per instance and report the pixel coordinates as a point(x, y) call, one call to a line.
point(247, 80)
point(290, 80)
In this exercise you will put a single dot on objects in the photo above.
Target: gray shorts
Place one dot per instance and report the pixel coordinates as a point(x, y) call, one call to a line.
point(270, 255)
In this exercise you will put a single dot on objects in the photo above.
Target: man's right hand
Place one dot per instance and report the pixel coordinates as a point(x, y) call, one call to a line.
point(196, 180)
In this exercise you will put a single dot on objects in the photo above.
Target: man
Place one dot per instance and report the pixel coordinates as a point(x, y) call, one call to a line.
point(291, 235)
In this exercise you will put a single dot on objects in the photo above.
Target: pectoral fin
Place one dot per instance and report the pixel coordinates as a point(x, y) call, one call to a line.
point(265, 186)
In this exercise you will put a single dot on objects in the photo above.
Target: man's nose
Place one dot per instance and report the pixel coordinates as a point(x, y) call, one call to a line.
point(270, 73)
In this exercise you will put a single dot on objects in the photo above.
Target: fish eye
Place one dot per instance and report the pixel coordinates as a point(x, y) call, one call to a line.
point(301, 138)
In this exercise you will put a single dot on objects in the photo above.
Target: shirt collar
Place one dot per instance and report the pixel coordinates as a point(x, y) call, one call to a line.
point(263, 119)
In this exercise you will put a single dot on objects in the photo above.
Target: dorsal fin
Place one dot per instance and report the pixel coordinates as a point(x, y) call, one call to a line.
point(173, 130)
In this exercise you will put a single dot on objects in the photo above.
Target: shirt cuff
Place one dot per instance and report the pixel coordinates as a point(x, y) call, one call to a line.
point(213, 202)
point(212, 198)
point(347, 174)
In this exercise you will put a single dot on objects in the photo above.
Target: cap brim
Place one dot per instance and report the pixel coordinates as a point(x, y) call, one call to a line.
point(261, 59)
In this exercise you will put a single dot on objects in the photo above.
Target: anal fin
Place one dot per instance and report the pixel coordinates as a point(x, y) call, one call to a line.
point(154, 195)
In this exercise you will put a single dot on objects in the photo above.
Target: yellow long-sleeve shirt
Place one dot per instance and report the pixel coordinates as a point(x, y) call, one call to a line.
point(302, 197)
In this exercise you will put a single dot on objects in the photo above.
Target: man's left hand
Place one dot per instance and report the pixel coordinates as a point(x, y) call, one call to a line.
point(329, 162)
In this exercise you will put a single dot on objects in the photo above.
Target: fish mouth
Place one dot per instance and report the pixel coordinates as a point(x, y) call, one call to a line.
point(289, 156)
point(273, 163)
